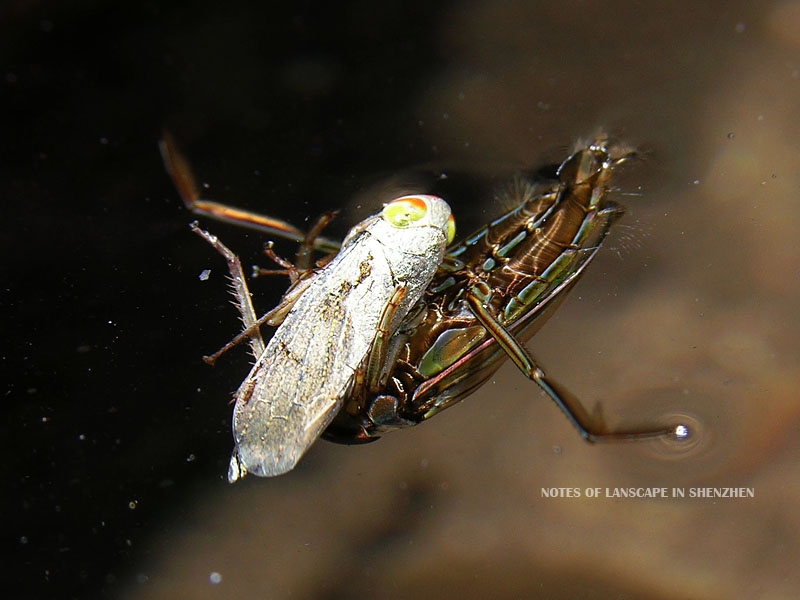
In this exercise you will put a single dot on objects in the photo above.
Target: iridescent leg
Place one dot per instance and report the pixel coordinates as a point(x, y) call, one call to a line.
point(568, 403)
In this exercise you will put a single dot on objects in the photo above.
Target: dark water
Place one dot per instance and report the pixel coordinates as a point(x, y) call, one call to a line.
point(116, 436)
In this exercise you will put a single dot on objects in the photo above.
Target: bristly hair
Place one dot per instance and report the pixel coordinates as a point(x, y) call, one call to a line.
point(237, 303)
point(513, 193)
point(627, 238)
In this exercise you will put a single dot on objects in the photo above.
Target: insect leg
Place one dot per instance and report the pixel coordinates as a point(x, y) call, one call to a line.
point(305, 251)
point(302, 265)
point(240, 292)
point(181, 173)
point(378, 366)
point(287, 268)
point(252, 324)
point(571, 406)
point(273, 318)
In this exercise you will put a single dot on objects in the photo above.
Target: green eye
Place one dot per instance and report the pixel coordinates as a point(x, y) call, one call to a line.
point(404, 211)
point(451, 229)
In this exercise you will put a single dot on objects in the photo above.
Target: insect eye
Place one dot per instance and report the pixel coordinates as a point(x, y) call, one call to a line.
point(404, 211)
point(451, 229)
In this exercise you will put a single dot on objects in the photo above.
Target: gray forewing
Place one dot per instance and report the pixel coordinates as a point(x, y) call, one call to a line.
point(299, 383)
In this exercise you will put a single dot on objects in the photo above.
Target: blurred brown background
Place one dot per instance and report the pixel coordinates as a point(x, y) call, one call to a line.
point(116, 436)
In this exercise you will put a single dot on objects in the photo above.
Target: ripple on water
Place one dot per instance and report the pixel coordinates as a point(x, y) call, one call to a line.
point(674, 407)
point(695, 442)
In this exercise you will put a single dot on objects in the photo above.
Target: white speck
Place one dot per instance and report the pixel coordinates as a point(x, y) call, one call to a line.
point(681, 431)
point(204, 274)
point(696, 182)
point(215, 578)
